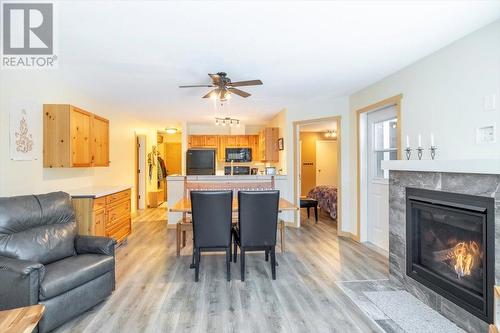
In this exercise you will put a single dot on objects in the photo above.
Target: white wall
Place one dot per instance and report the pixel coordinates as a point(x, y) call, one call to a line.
point(32, 89)
point(443, 94)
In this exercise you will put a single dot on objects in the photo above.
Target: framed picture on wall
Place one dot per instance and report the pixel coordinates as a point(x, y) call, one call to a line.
point(281, 144)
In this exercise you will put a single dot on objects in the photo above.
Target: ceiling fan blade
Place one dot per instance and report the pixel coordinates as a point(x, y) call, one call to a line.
point(198, 85)
point(245, 83)
point(215, 78)
point(239, 92)
point(211, 92)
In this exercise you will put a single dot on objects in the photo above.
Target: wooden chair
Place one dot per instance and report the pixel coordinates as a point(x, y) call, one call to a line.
point(185, 224)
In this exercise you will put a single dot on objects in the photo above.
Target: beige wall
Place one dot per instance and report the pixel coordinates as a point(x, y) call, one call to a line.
point(30, 90)
point(279, 121)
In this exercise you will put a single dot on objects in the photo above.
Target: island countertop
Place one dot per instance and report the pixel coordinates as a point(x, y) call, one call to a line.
point(225, 177)
point(97, 191)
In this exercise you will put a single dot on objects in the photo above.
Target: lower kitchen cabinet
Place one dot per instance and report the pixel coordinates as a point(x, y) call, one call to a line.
point(103, 215)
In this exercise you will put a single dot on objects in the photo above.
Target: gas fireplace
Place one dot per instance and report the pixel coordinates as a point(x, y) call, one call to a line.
point(450, 247)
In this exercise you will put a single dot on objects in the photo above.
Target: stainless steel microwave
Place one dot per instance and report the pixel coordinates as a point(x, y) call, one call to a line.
point(238, 154)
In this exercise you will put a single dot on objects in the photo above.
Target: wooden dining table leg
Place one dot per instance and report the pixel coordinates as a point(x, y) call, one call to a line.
point(178, 240)
point(282, 235)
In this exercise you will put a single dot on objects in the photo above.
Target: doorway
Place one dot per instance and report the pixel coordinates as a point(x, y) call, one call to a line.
point(170, 158)
point(140, 167)
point(378, 140)
point(317, 171)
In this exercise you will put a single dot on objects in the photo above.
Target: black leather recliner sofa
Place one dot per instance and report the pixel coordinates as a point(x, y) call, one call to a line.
point(44, 261)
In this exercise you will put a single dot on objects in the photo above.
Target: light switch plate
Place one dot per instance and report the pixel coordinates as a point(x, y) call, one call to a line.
point(486, 134)
point(490, 102)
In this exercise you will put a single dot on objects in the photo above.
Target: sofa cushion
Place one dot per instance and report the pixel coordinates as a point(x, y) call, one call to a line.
point(43, 244)
point(39, 228)
point(71, 272)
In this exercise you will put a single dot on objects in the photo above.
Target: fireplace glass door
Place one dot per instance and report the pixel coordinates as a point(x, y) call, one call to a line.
point(449, 246)
point(449, 243)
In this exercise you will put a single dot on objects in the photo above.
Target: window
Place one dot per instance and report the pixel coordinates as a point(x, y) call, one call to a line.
point(384, 145)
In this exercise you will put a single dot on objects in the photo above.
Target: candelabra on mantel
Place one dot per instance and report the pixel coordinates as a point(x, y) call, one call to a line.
point(433, 147)
point(419, 149)
point(407, 150)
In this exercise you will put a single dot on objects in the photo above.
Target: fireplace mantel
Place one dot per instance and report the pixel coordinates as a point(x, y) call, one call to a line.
point(474, 166)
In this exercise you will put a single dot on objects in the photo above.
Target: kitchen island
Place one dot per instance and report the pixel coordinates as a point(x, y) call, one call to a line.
point(175, 188)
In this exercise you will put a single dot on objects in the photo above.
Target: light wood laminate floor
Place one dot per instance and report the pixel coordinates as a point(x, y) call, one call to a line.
point(156, 292)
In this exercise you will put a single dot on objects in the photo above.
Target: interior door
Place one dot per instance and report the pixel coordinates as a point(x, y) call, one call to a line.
point(382, 145)
point(173, 157)
point(141, 172)
point(326, 162)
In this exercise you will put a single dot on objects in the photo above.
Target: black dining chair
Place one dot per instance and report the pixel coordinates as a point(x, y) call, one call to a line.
point(257, 226)
point(211, 215)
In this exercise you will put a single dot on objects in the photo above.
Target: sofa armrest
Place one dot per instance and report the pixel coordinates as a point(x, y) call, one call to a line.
point(20, 282)
point(95, 245)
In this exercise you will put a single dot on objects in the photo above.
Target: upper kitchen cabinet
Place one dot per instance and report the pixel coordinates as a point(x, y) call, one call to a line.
point(268, 144)
point(73, 137)
point(100, 141)
point(203, 141)
point(243, 141)
point(253, 143)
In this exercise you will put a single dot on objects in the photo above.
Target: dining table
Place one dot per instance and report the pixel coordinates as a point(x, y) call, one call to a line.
point(184, 206)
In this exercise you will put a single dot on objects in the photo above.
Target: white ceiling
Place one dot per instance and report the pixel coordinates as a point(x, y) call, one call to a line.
point(134, 54)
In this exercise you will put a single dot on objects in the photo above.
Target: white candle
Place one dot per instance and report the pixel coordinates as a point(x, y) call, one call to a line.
point(407, 141)
point(420, 140)
point(432, 139)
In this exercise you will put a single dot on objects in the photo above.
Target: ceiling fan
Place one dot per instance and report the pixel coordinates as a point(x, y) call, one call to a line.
point(224, 87)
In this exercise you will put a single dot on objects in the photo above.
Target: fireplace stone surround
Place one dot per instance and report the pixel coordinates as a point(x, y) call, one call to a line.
point(486, 185)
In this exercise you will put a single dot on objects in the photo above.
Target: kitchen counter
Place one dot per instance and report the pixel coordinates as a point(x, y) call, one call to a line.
point(175, 189)
point(97, 191)
point(226, 177)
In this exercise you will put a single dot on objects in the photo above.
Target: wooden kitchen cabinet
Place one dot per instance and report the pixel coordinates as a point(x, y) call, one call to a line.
point(203, 141)
point(100, 141)
point(242, 141)
point(81, 122)
point(109, 215)
point(211, 141)
point(99, 223)
point(221, 148)
point(253, 143)
point(231, 141)
point(221, 142)
point(73, 137)
point(268, 144)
